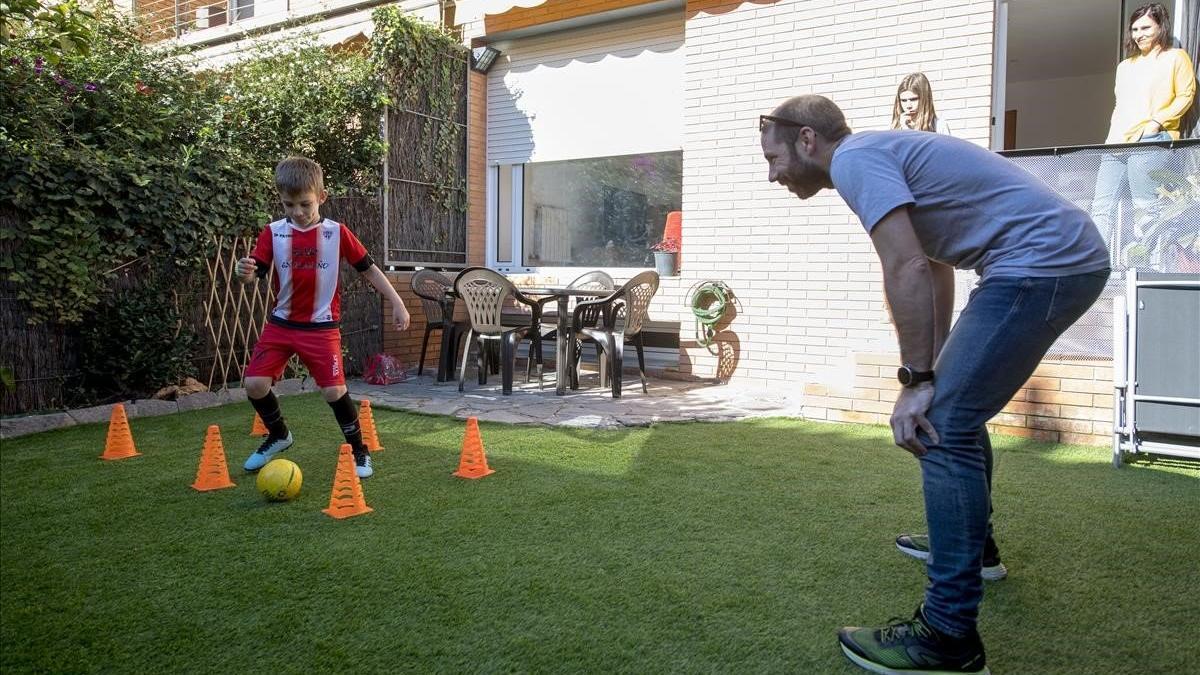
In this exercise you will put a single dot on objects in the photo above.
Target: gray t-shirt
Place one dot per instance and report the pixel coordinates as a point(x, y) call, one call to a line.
point(970, 208)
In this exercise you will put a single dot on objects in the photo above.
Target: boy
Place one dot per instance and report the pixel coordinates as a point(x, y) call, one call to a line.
point(306, 250)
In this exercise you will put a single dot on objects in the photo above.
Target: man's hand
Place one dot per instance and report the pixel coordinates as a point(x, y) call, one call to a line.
point(245, 269)
point(400, 316)
point(908, 417)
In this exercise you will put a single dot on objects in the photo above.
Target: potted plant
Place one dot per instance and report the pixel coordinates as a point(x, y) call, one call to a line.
point(1169, 241)
point(666, 257)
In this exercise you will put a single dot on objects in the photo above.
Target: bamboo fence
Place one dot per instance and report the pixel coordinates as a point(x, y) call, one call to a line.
point(227, 316)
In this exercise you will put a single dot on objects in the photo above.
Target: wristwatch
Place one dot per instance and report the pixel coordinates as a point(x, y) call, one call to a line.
point(911, 378)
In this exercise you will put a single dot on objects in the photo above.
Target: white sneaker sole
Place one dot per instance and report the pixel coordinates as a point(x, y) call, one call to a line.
point(989, 573)
point(994, 573)
point(884, 670)
point(923, 556)
point(364, 472)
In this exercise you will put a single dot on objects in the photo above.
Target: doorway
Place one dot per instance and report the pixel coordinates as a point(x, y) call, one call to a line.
point(1055, 84)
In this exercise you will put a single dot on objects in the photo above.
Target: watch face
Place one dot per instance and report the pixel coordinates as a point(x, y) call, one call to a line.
point(904, 374)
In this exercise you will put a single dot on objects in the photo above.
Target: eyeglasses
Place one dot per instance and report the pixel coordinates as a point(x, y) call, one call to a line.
point(763, 119)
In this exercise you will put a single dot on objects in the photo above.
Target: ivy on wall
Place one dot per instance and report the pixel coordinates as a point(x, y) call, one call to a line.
point(119, 152)
point(421, 69)
point(116, 155)
point(102, 163)
point(301, 98)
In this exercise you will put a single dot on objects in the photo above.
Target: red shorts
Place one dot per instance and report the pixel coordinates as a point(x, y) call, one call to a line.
point(320, 350)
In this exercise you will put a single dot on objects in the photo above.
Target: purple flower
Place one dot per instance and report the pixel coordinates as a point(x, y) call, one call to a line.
point(39, 64)
point(16, 60)
point(90, 87)
point(65, 84)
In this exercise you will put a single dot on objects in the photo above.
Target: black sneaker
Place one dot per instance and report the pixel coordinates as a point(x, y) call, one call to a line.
point(362, 463)
point(913, 646)
point(917, 546)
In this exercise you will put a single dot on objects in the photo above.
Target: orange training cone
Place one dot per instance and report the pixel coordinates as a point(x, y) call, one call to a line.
point(346, 500)
point(212, 474)
point(473, 463)
point(366, 421)
point(119, 444)
point(259, 428)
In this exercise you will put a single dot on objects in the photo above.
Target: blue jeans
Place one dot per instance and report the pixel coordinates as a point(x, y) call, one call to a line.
point(1133, 166)
point(1008, 325)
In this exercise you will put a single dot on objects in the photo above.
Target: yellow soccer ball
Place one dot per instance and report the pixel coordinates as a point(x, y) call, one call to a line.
point(279, 480)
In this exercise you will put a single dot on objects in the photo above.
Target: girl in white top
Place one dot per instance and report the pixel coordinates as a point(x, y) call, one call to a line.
point(914, 106)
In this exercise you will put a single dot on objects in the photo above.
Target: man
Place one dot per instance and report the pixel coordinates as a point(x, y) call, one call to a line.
point(932, 204)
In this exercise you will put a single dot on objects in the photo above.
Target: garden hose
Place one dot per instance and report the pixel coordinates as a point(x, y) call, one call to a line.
point(708, 304)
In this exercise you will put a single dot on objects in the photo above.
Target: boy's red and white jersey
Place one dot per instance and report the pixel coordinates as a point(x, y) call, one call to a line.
point(306, 265)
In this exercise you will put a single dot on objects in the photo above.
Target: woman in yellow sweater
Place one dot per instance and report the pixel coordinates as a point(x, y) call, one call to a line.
point(1155, 86)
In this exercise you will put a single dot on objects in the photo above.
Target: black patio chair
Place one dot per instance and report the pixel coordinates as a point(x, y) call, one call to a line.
point(620, 317)
point(595, 280)
point(431, 287)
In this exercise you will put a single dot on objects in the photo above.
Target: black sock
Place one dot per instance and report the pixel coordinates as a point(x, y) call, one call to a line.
point(347, 417)
point(267, 408)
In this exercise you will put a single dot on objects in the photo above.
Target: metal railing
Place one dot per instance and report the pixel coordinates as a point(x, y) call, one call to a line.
point(1145, 199)
point(200, 19)
point(166, 19)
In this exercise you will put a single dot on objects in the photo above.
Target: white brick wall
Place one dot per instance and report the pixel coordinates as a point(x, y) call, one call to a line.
point(809, 291)
point(809, 308)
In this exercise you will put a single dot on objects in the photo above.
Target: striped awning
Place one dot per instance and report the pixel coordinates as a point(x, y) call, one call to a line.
point(469, 11)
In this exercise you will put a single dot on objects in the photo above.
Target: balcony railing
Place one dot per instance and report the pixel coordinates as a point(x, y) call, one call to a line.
point(1145, 199)
point(165, 19)
point(194, 20)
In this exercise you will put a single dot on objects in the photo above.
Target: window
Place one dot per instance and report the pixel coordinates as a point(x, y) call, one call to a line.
point(1054, 70)
point(589, 121)
point(597, 212)
point(210, 16)
point(243, 9)
point(504, 213)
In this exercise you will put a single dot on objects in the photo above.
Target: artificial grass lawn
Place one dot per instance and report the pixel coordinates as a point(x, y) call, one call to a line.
point(736, 547)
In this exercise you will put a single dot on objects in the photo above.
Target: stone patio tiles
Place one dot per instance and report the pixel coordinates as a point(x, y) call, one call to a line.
point(590, 406)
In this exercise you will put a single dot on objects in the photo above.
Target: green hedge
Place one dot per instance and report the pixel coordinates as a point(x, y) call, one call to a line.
point(115, 155)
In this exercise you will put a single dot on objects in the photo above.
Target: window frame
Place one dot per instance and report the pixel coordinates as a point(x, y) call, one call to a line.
point(235, 10)
point(516, 264)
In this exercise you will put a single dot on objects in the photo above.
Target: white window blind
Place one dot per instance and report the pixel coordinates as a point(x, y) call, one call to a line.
point(610, 89)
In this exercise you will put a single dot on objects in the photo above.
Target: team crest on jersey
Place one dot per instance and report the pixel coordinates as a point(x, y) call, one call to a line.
point(328, 234)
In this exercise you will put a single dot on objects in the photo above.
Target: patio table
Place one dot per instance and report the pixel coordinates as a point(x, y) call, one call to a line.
point(562, 294)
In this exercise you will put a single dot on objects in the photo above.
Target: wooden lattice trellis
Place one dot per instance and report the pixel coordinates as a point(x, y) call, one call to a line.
point(234, 312)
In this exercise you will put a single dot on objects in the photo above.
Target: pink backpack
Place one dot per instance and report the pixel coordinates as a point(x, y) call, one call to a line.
point(384, 369)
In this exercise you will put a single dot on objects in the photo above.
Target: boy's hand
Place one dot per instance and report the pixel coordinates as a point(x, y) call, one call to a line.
point(246, 268)
point(400, 317)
